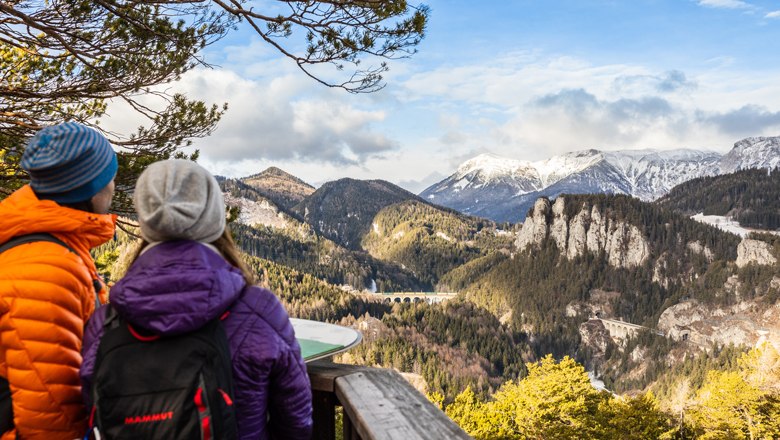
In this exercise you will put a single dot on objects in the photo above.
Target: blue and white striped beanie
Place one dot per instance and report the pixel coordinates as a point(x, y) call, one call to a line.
point(69, 162)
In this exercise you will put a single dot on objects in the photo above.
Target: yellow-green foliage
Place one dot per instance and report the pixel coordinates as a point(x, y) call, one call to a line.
point(634, 418)
point(742, 404)
point(436, 398)
point(112, 258)
point(458, 279)
point(431, 241)
point(556, 401)
point(105, 261)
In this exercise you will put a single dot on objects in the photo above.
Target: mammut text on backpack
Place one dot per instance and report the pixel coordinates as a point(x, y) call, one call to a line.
point(173, 387)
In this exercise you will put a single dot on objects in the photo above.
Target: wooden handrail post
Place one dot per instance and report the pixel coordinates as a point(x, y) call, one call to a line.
point(324, 415)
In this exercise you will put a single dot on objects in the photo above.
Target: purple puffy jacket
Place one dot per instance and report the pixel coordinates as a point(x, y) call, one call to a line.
point(178, 286)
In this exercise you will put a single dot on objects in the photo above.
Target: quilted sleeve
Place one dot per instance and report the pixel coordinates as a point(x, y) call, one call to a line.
point(45, 288)
point(92, 336)
point(290, 397)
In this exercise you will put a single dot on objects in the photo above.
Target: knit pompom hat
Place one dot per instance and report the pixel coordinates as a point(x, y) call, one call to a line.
point(179, 200)
point(69, 162)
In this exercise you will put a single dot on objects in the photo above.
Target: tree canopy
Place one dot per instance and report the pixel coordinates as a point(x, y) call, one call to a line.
point(66, 59)
point(556, 400)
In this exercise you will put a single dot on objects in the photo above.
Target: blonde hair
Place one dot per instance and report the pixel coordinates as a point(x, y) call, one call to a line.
point(226, 246)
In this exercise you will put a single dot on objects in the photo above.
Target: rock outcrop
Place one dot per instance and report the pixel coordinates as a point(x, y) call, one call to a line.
point(745, 323)
point(697, 248)
point(601, 303)
point(596, 340)
point(254, 213)
point(755, 252)
point(534, 229)
point(590, 230)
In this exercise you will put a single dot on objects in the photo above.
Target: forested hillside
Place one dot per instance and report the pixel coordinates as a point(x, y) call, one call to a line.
point(326, 260)
point(752, 197)
point(525, 295)
point(237, 188)
point(431, 241)
point(280, 187)
point(556, 401)
point(264, 230)
point(541, 279)
point(451, 346)
point(344, 210)
point(549, 291)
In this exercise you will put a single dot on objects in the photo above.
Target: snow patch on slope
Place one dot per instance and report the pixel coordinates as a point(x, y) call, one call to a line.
point(254, 213)
point(491, 166)
point(728, 224)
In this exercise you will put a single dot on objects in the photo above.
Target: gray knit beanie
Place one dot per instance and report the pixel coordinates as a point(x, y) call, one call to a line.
point(179, 200)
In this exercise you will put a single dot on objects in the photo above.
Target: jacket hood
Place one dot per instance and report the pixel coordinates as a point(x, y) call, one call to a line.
point(23, 213)
point(176, 287)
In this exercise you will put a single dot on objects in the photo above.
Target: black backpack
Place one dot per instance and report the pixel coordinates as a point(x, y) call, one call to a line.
point(150, 387)
point(6, 407)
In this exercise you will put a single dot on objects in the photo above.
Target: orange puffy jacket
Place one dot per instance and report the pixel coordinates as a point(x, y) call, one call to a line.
point(46, 296)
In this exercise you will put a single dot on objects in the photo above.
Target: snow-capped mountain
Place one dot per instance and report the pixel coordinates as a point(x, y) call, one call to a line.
point(753, 152)
point(488, 176)
point(651, 174)
point(503, 189)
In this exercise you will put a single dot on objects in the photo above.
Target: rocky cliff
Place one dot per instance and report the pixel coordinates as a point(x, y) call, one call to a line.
point(595, 339)
point(755, 252)
point(744, 323)
point(589, 230)
point(258, 212)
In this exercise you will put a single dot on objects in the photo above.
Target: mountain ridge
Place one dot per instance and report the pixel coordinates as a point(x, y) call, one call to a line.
point(503, 189)
point(343, 210)
point(280, 187)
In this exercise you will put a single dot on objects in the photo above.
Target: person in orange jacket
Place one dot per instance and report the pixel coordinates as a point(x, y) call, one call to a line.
point(48, 287)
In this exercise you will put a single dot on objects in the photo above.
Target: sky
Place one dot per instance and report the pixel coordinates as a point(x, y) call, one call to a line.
point(520, 79)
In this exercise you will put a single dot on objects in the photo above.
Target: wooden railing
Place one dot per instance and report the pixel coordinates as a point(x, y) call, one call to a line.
point(378, 404)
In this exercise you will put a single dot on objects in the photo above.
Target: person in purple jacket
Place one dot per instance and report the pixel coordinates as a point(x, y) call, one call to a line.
point(187, 273)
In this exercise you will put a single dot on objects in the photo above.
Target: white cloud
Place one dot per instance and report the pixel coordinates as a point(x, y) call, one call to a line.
point(270, 119)
point(534, 108)
point(773, 14)
point(576, 119)
point(744, 121)
point(509, 81)
point(668, 82)
point(726, 4)
point(522, 105)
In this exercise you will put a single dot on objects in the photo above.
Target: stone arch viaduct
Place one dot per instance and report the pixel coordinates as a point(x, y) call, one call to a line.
point(429, 297)
point(621, 330)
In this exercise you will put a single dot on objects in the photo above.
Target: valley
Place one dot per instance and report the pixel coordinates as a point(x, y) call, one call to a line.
point(635, 292)
point(546, 220)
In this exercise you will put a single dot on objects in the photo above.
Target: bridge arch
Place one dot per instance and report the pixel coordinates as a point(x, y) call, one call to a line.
point(416, 297)
point(621, 330)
